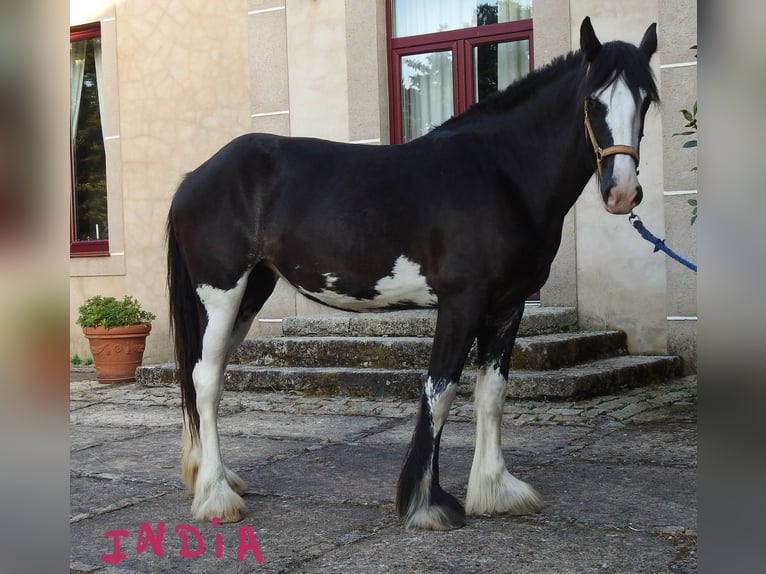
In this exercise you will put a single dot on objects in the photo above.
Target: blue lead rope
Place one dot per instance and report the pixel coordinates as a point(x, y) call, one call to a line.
point(659, 244)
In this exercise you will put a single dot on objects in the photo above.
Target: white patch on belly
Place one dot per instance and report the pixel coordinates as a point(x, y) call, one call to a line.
point(404, 286)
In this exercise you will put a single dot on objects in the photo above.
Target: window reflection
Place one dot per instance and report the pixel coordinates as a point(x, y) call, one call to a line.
point(427, 98)
point(88, 156)
point(498, 65)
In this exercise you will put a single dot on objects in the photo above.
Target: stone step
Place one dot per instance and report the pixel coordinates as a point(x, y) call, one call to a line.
point(550, 351)
point(604, 376)
point(588, 379)
point(418, 323)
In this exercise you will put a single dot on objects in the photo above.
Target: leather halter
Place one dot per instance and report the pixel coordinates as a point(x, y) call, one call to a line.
point(600, 152)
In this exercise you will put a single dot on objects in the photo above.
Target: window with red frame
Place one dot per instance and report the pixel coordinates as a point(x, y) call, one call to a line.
point(89, 227)
point(446, 55)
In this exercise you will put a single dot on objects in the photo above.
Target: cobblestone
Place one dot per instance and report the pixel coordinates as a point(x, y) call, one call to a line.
point(639, 405)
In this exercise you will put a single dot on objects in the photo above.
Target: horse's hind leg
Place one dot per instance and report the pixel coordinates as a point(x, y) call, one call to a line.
point(491, 488)
point(229, 314)
point(260, 284)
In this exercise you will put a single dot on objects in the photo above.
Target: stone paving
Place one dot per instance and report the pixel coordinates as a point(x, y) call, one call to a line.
point(631, 407)
point(618, 474)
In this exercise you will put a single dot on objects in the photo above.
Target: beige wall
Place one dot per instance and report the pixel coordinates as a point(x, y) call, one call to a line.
point(178, 90)
point(185, 80)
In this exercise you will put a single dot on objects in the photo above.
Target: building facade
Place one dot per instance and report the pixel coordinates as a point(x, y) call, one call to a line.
point(176, 80)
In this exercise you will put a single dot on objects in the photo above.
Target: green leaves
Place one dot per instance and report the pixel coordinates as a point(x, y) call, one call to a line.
point(108, 312)
point(691, 122)
point(691, 116)
point(693, 203)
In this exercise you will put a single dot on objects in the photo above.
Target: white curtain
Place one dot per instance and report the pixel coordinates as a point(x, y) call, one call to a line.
point(99, 81)
point(76, 73)
point(512, 10)
point(412, 17)
point(512, 62)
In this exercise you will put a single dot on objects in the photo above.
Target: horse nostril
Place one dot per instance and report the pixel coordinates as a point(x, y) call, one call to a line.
point(639, 195)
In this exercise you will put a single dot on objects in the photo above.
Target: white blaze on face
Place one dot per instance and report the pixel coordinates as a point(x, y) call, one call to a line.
point(405, 284)
point(624, 122)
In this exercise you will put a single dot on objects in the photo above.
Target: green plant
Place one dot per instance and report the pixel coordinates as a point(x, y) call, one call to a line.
point(691, 123)
point(693, 203)
point(77, 361)
point(109, 312)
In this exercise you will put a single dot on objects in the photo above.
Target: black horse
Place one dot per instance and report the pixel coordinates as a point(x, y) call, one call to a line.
point(467, 219)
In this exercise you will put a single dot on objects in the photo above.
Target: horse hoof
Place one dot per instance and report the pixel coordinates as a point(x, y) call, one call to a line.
point(504, 495)
point(221, 502)
point(442, 512)
point(436, 517)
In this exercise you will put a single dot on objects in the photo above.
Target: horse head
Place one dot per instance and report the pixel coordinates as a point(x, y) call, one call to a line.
point(619, 87)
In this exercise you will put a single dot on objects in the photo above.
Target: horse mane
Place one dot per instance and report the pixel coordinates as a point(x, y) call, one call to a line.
point(614, 59)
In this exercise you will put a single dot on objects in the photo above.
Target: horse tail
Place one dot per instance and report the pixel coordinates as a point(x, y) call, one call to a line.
point(185, 323)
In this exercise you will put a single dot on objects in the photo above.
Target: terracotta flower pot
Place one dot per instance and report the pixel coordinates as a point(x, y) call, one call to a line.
point(117, 351)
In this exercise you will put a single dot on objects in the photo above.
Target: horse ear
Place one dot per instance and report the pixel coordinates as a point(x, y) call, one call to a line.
point(649, 42)
point(589, 44)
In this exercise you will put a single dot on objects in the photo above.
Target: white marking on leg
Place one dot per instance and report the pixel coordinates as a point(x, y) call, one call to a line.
point(405, 285)
point(491, 488)
point(439, 397)
point(213, 494)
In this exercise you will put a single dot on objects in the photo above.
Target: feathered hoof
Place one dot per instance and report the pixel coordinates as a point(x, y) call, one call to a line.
point(442, 511)
point(505, 494)
point(220, 502)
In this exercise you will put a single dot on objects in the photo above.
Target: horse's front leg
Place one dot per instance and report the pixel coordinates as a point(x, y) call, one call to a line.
point(491, 488)
point(421, 501)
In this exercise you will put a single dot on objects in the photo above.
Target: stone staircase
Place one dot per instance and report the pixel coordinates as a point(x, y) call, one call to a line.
point(387, 355)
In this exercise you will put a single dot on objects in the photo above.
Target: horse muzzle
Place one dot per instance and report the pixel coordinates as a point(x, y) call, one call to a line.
point(621, 199)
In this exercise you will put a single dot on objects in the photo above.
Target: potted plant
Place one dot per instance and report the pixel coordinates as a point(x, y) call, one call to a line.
point(116, 331)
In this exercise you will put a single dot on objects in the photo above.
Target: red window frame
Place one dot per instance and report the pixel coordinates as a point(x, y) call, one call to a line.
point(462, 43)
point(94, 248)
